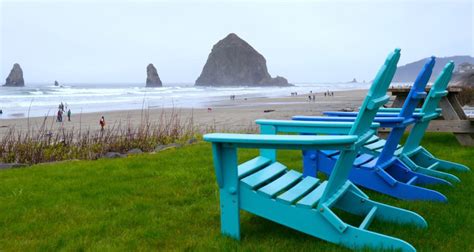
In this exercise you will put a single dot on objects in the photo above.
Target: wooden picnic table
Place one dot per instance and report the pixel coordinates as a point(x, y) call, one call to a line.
point(453, 119)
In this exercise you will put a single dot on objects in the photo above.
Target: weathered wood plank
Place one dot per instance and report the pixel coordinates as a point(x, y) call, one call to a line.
point(406, 89)
point(453, 100)
point(398, 102)
point(465, 139)
point(453, 126)
point(455, 120)
point(448, 111)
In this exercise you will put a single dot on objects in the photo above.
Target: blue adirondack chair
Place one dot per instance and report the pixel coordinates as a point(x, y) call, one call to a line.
point(265, 187)
point(411, 154)
point(384, 173)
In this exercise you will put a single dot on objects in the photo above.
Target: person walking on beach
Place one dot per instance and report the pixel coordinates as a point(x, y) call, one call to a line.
point(102, 123)
point(314, 97)
point(69, 115)
point(59, 117)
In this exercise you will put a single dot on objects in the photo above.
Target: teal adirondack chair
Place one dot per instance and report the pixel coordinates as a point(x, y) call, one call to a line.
point(412, 153)
point(265, 187)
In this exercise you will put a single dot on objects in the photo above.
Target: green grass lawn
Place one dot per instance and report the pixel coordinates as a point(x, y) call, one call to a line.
point(169, 201)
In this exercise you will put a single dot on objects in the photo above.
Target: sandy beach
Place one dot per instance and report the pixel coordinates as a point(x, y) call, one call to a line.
point(228, 115)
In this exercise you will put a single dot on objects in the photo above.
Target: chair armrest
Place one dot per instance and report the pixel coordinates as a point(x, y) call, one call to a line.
point(384, 121)
point(300, 142)
point(340, 113)
point(309, 127)
point(397, 110)
point(379, 114)
point(392, 110)
point(430, 117)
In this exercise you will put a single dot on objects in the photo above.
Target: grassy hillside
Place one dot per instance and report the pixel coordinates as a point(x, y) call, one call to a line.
point(169, 201)
point(408, 72)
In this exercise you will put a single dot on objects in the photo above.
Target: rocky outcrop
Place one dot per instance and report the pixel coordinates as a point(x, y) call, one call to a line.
point(152, 78)
point(56, 83)
point(15, 78)
point(233, 62)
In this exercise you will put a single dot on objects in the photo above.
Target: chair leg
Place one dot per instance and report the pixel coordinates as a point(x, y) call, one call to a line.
point(437, 174)
point(363, 239)
point(409, 191)
point(389, 180)
point(310, 163)
point(430, 169)
point(354, 203)
point(425, 156)
point(405, 172)
point(229, 194)
point(447, 165)
point(230, 215)
point(359, 204)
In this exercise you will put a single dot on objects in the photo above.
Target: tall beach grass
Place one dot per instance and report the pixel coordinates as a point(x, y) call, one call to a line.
point(47, 143)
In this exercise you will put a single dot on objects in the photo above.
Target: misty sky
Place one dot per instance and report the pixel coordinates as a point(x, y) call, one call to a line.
point(304, 41)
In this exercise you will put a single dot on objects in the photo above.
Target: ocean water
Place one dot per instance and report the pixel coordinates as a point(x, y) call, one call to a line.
point(37, 100)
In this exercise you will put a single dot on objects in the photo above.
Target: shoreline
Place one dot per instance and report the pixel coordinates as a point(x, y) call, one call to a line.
point(233, 115)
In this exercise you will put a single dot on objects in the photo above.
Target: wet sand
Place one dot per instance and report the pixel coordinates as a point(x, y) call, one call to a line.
point(228, 115)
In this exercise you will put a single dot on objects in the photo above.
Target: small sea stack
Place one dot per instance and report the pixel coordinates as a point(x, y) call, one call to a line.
point(233, 62)
point(152, 78)
point(56, 83)
point(353, 81)
point(15, 78)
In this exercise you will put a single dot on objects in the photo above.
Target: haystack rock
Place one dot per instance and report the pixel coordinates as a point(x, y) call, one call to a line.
point(15, 78)
point(233, 62)
point(152, 78)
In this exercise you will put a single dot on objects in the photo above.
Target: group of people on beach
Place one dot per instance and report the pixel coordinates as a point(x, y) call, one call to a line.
point(61, 110)
point(232, 97)
point(312, 96)
point(327, 93)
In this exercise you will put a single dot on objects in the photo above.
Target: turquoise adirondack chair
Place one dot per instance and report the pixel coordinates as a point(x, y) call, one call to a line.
point(265, 187)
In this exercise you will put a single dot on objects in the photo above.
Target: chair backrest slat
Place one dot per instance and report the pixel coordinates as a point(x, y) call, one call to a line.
point(438, 90)
point(376, 97)
point(414, 97)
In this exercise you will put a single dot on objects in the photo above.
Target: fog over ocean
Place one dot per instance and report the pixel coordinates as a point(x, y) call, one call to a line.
point(35, 100)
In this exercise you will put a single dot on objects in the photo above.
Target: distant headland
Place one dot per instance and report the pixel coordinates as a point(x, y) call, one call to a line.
point(408, 72)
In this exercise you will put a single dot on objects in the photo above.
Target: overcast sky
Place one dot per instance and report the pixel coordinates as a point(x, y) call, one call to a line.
point(304, 41)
